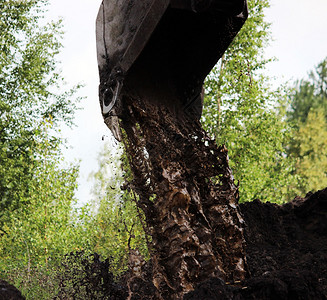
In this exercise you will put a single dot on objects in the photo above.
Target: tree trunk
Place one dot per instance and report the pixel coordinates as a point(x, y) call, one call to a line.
point(187, 193)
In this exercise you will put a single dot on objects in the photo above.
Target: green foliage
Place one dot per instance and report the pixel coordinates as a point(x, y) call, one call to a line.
point(309, 94)
point(310, 142)
point(308, 117)
point(39, 233)
point(117, 220)
point(28, 81)
point(242, 111)
point(38, 224)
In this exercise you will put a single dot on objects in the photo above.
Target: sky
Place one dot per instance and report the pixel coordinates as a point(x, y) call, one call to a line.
point(299, 31)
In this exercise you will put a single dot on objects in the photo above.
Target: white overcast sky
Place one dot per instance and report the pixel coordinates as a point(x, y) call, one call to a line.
point(299, 29)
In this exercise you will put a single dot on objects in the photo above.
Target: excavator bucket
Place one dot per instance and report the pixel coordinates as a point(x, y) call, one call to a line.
point(161, 50)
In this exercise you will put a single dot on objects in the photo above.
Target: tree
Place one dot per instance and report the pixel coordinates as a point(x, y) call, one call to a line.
point(29, 82)
point(39, 233)
point(37, 221)
point(310, 141)
point(243, 112)
point(308, 117)
point(309, 94)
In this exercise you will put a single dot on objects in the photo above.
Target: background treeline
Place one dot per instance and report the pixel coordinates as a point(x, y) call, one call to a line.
point(276, 140)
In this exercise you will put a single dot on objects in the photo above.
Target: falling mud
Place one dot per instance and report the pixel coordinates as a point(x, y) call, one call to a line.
point(187, 193)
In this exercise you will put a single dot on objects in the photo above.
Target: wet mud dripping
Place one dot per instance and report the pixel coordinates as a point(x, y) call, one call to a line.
point(187, 193)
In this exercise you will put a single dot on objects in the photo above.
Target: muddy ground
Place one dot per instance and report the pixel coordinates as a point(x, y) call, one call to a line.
point(286, 256)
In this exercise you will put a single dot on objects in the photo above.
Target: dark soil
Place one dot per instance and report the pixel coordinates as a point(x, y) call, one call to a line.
point(286, 256)
point(9, 292)
point(286, 253)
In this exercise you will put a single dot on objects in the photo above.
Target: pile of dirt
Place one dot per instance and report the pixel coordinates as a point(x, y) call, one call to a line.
point(286, 253)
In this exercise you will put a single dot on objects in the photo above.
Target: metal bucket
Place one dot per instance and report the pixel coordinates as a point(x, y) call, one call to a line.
point(162, 49)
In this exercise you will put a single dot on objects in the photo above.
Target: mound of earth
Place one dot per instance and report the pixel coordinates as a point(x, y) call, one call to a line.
point(286, 253)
